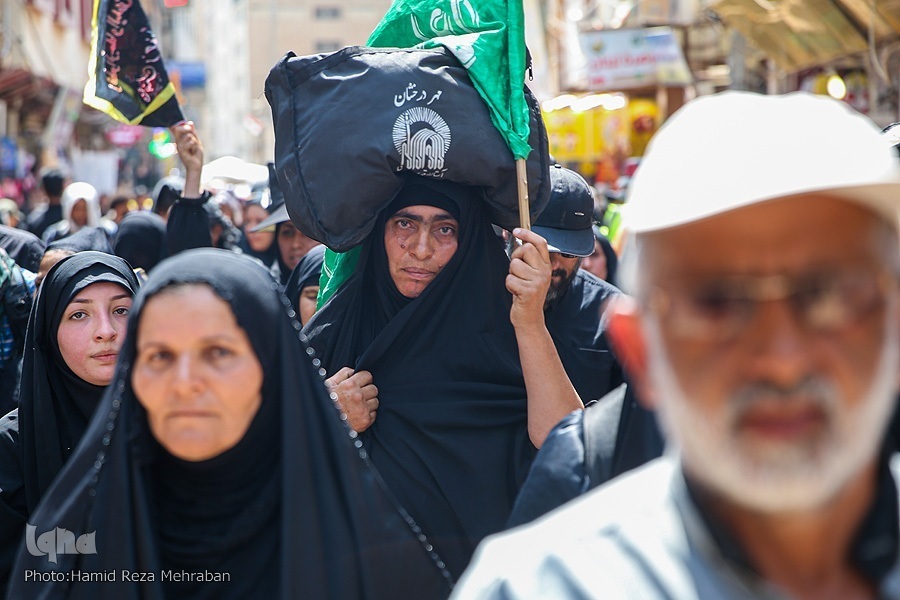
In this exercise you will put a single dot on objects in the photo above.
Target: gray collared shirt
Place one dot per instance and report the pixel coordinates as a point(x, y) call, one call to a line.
point(640, 537)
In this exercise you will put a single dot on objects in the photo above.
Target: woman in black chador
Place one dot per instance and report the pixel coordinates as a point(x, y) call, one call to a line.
point(217, 467)
point(75, 330)
point(302, 288)
point(457, 380)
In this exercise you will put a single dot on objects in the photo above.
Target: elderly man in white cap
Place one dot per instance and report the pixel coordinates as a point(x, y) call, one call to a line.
point(765, 331)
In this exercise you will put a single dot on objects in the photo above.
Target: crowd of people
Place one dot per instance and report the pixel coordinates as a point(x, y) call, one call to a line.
point(187, 417)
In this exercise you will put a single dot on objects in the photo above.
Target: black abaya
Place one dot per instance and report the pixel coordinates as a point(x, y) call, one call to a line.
point(294, 510)
point(450, 436)
point(55, 405)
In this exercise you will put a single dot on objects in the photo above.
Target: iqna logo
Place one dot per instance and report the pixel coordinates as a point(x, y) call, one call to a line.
point(59, 541)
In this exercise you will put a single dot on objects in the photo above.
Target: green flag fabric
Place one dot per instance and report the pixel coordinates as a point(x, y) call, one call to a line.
point(336, 269)
point(488, 39)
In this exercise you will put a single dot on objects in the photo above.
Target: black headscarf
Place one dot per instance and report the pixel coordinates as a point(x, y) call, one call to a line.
point(187, 225)
point(304, 275)
point(86, 238)
point(166, 192)
point(294, 510)
point(141, 239)
point(55, 405)
point(23, 247)
point(450, 436)
point(283, 271)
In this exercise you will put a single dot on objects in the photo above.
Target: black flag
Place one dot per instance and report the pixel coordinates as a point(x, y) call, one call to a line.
point(128, 80)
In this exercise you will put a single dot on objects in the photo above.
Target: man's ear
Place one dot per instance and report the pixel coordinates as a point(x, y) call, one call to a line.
point(625, 330)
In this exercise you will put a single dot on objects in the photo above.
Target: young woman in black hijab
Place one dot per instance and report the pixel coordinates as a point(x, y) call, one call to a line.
point(75, 330)
point(302, 287)
point(217, 458)
point(453, 429)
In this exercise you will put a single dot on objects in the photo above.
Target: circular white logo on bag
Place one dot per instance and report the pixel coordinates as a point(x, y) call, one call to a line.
point(422, 139)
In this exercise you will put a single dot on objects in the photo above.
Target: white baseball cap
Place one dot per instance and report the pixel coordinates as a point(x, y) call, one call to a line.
point(723, 152)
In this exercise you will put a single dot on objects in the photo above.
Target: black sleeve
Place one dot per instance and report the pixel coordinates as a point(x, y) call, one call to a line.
point(188, 225)
point(17, 301)
point(13, 511)
point(557, 474)
point(639, 438)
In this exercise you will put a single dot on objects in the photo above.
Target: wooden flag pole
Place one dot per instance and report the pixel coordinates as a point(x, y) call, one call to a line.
point(524, 208)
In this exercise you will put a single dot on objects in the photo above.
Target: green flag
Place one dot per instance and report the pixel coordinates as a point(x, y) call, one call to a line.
point(337, 268)
point(488, 39)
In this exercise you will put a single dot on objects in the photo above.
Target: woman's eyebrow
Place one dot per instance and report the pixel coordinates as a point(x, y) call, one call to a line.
point(121, 296)
point(402, 214)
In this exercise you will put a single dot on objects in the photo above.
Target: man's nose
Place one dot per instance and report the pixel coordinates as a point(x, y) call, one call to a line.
point(780, 349)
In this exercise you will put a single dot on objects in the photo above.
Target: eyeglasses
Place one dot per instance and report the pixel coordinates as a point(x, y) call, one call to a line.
point(565, 255)
point(720, 309)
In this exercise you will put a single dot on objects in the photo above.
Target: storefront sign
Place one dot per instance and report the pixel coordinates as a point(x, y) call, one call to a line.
point(124, 136)
point(621, 59)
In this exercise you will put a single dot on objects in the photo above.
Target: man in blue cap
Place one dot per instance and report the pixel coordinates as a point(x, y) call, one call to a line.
point(576, 298)
point(614, 434)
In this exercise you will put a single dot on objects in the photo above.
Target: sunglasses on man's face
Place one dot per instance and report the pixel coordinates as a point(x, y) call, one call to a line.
point(565, 254)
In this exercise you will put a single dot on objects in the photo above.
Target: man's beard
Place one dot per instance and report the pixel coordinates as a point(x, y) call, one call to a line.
point(558, 288)
point(777, 476)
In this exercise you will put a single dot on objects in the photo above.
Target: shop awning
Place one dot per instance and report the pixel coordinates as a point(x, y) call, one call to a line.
point(25, 86)
point(798, 34)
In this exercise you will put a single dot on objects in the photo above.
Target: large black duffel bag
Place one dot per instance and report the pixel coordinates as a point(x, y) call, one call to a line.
point(349, 126)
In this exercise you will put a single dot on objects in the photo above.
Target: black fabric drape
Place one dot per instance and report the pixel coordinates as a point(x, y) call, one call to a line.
point(23, 247)
point(188, 225)
point(13, 509)
point(55, 405)
point(141, 239)
point(450, 436)
point(332, 532)
point(86, 238)
point(305, 274)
